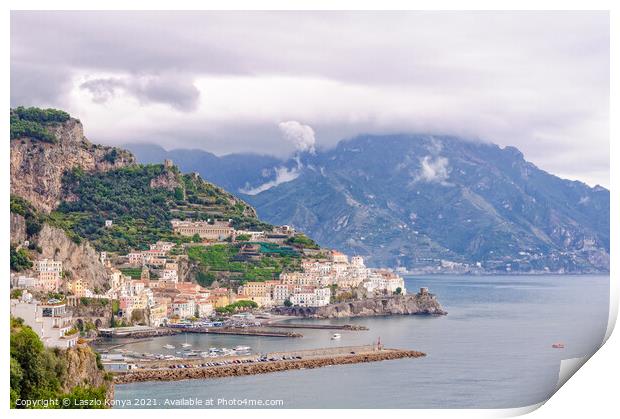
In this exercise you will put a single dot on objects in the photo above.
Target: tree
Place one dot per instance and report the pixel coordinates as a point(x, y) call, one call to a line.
point(16, 377)
point(398, 291)
point(243, 238)
point(196, 238)
point(179, 195)
point(20, 260)
point(205, 278)
point(287, 303)
point(39, 368)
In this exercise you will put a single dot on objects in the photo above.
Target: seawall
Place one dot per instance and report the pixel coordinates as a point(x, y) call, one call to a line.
point(314, 359)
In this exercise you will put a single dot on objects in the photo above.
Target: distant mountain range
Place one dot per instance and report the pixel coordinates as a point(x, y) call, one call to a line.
point(425, 203)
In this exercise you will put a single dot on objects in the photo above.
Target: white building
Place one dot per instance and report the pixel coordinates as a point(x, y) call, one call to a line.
point(163, 246)
point(169, 276)
point(253, 235)
point(204, 309)
point(303, 299)
point(23, 281)
point(384, 282)
point(281, 293)
point(317, 297)
point(322, 296)
point(51, 322)
point(184, 308)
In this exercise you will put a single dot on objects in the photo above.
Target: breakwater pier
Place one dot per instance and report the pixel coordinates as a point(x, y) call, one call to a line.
point(169, 370)
point(240, 332)
point(352, 327)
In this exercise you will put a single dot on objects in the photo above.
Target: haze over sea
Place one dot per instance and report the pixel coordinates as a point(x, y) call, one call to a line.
point(493, 350)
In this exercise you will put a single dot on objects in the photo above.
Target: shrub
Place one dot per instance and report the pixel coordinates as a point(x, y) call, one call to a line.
point(20, 260)
point(32, 122)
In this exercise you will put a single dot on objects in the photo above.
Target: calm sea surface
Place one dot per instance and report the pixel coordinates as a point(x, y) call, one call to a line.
point(493, 350)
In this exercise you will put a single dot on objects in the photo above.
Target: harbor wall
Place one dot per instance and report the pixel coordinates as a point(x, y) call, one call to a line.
point(321, 358)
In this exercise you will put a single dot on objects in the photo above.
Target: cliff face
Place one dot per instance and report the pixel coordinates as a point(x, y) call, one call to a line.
point(18, 228)
point(37, 167)
point(80, 260)
point(82, 370)
point(380, 306)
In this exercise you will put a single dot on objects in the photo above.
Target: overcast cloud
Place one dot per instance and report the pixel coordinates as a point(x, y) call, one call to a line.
point(225, 81)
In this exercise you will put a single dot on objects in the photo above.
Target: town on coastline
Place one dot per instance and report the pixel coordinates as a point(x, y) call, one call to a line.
point(41, 296)
point(103, 248)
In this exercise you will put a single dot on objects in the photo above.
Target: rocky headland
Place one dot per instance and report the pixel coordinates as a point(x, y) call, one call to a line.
point(421, 303)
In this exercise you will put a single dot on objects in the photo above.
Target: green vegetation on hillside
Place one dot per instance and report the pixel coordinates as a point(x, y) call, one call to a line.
point(38, 373)
point(34, 220)
point(301, 240)
point(222, 258)
point(32, 122)
point(140, 213)
point(20, 260)
point(236, 306)
point(134, 273)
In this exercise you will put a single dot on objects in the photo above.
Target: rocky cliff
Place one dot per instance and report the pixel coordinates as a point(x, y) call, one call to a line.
point(78, 260)
point(83, 369)
point(37, 167)
point(378, 306)
point(18, 228)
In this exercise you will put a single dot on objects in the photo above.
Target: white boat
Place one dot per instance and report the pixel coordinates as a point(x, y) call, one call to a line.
point(336, 336)
point(186, 344)
point(169, 346)
point(242, 348)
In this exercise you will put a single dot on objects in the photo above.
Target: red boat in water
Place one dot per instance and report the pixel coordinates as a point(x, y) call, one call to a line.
point(558, 346)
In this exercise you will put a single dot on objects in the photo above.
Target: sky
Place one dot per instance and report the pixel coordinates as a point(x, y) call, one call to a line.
point(277, 82)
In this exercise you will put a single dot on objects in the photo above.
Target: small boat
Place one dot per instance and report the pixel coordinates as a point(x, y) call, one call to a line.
point(242, 348)
point(336, 336)
point(186, 344)
point(168, 346)
point(558, 345)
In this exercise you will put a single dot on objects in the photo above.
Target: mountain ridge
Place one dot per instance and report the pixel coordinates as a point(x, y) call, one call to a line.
point(435, 203)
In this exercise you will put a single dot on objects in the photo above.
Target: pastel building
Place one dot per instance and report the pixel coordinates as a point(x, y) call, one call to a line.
point(49, 272)
point(78, 288)
point(208, 230)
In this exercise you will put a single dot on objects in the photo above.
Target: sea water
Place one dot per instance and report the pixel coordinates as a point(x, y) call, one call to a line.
point(493, 350)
